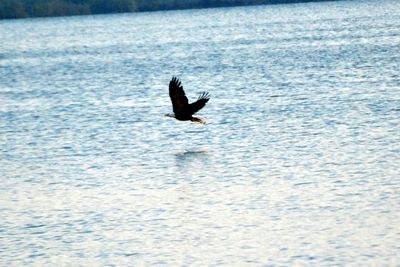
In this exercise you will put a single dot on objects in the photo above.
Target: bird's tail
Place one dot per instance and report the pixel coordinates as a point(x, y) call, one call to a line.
point(198, 120)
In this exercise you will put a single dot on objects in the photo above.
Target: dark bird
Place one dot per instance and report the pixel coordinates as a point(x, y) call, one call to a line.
point(184, 111)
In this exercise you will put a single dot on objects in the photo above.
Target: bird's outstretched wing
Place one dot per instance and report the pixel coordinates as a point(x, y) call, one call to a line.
point(200, 103)
point(177, 95)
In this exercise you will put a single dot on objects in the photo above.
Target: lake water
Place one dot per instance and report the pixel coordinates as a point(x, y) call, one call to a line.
point(298, 163)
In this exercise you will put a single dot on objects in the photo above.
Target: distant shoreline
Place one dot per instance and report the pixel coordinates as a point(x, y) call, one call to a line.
point(15, 9)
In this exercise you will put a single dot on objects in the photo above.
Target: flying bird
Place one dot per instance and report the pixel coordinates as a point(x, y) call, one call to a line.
point(184, 111)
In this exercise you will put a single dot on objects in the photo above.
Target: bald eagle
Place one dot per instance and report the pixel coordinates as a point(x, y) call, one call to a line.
point(184, 111)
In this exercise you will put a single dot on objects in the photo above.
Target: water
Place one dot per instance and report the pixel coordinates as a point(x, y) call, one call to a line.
point(298, 163)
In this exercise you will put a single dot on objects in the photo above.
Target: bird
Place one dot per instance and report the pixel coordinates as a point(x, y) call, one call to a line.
point(184, 111)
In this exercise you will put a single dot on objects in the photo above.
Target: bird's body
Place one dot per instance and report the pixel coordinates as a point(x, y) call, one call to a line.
point(184, 111)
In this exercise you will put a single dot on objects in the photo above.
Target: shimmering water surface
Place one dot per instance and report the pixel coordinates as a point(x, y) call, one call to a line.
point(298, 163)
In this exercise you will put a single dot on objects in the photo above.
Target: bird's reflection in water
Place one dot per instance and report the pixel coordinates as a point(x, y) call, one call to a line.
point(186, 158)
point(190, 153)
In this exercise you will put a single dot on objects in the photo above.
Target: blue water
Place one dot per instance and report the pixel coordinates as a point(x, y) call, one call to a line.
point(298, 163)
